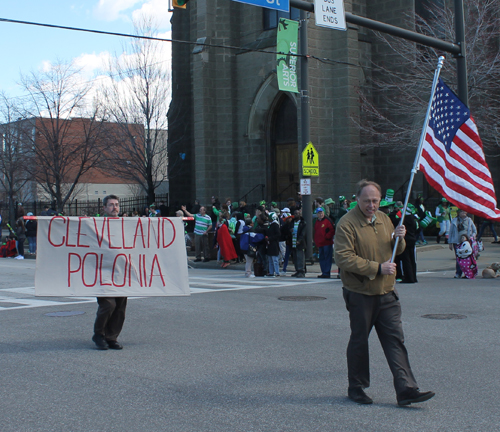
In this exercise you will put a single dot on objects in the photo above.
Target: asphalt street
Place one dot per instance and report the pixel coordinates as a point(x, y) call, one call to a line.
point(235, 356)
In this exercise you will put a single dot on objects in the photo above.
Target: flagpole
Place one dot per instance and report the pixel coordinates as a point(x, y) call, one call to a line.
point(419, 149)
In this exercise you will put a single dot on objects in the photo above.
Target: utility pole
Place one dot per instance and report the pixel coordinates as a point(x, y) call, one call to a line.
point(304, 125)
point(463, 89)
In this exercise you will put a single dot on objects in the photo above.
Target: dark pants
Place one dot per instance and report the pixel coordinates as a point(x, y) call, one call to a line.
point(20, 246)
point(383, 312)
point(409, 263)
point(201, 245)
point(110, 317)
point(325, 259)
point(484, 225)
point(299, 260)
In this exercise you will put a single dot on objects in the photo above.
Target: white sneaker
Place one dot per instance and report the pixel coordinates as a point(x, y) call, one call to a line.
point(19, 257)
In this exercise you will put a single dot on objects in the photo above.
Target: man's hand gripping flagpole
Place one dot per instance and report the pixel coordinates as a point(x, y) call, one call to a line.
point(416, 164)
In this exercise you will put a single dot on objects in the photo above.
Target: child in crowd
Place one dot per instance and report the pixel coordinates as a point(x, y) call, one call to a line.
point(465, 258)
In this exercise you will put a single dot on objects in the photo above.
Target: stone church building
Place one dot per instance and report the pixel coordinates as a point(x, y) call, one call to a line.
point(233, 134)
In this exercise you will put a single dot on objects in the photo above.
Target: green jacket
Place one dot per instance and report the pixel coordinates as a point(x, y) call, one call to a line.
point(360, 247)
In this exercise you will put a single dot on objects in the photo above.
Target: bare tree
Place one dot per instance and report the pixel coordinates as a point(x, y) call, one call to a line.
point(138, 100)
point(65, 134)
point(14, 157)
point(394, 101)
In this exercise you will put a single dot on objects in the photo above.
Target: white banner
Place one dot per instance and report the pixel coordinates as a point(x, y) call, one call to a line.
point(111, 257)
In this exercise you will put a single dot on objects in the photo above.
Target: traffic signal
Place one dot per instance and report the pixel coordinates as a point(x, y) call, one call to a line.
point(179, 4)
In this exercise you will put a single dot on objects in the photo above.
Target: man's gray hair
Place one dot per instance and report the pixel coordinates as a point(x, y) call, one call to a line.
point(363, 183)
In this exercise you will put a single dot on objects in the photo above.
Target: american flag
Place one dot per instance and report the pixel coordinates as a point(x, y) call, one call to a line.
point(453, 159)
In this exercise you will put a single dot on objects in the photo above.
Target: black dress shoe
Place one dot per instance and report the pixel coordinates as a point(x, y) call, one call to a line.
point(115, 345)
point(197, 260)
point(100, 342)
point(295, 274)
point(358, 395)
point(323, 276)
point(206, 260)
point(413, 396)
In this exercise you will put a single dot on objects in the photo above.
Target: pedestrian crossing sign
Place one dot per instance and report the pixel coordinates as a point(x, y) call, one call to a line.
point(310, 162)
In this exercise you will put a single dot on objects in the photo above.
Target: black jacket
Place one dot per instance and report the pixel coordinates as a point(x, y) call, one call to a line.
point(273, 235)
point(301, 234)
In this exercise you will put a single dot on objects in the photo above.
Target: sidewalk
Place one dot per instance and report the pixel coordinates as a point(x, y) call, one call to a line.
point(431, 257)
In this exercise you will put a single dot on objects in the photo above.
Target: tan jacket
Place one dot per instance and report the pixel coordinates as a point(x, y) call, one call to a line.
point(360, 247)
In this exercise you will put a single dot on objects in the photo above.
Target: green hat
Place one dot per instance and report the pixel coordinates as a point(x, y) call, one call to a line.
point(329, 201)
point(341, 199)
point(262, 203)
point(352, 205)
point(444, 200)
point(274, 204)
point(410, 209)
point(389, 195)
point(384, 203)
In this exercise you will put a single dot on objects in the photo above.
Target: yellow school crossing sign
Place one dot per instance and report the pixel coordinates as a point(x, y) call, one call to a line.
point(310, 162)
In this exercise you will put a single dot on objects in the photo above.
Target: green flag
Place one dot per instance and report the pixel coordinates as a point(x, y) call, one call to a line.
point(287, 43)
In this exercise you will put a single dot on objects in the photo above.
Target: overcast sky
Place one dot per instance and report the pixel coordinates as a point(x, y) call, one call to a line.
point(27, 48)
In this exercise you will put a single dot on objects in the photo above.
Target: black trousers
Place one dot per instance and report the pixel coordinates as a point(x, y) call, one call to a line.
point(384, 313)
point(110, 317)
point(409, 263)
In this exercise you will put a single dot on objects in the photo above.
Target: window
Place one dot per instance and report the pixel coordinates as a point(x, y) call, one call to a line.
point(270, 17)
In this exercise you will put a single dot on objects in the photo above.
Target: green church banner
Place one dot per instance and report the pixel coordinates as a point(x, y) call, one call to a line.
point(286, 45)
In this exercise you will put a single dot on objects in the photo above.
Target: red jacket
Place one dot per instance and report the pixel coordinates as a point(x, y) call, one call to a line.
point(323, 232)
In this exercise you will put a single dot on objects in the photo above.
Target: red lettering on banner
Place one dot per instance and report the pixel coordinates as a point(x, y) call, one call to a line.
point(109, 233)
point(50, 228)
point(99, 241)
point(123, 235)
point(163, 232)
point(91, 266)
point(140, 271)
point(67, 235)
point(80, 232)
point(100, 274)
point(129, 270)
point(149, 231)
point(69, 266)
point(96, 269)
point(156, 234)
point(139, 225)
point(155, 260)
point(124, 273)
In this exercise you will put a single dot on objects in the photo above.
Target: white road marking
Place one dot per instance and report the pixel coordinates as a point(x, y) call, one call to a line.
point(197, 284)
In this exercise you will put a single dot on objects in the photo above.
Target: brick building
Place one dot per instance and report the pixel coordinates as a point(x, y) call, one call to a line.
point(63, 142)
point(236, 130)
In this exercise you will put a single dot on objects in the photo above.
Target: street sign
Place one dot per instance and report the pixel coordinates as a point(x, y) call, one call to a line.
point(310, 162)
point(281, 5)
point(305, 186)
point(330, 13)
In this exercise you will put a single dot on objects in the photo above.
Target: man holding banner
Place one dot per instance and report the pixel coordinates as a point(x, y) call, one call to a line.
point(111, 312)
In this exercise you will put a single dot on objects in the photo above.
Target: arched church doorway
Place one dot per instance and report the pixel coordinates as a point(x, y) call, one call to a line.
point(284, 181)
